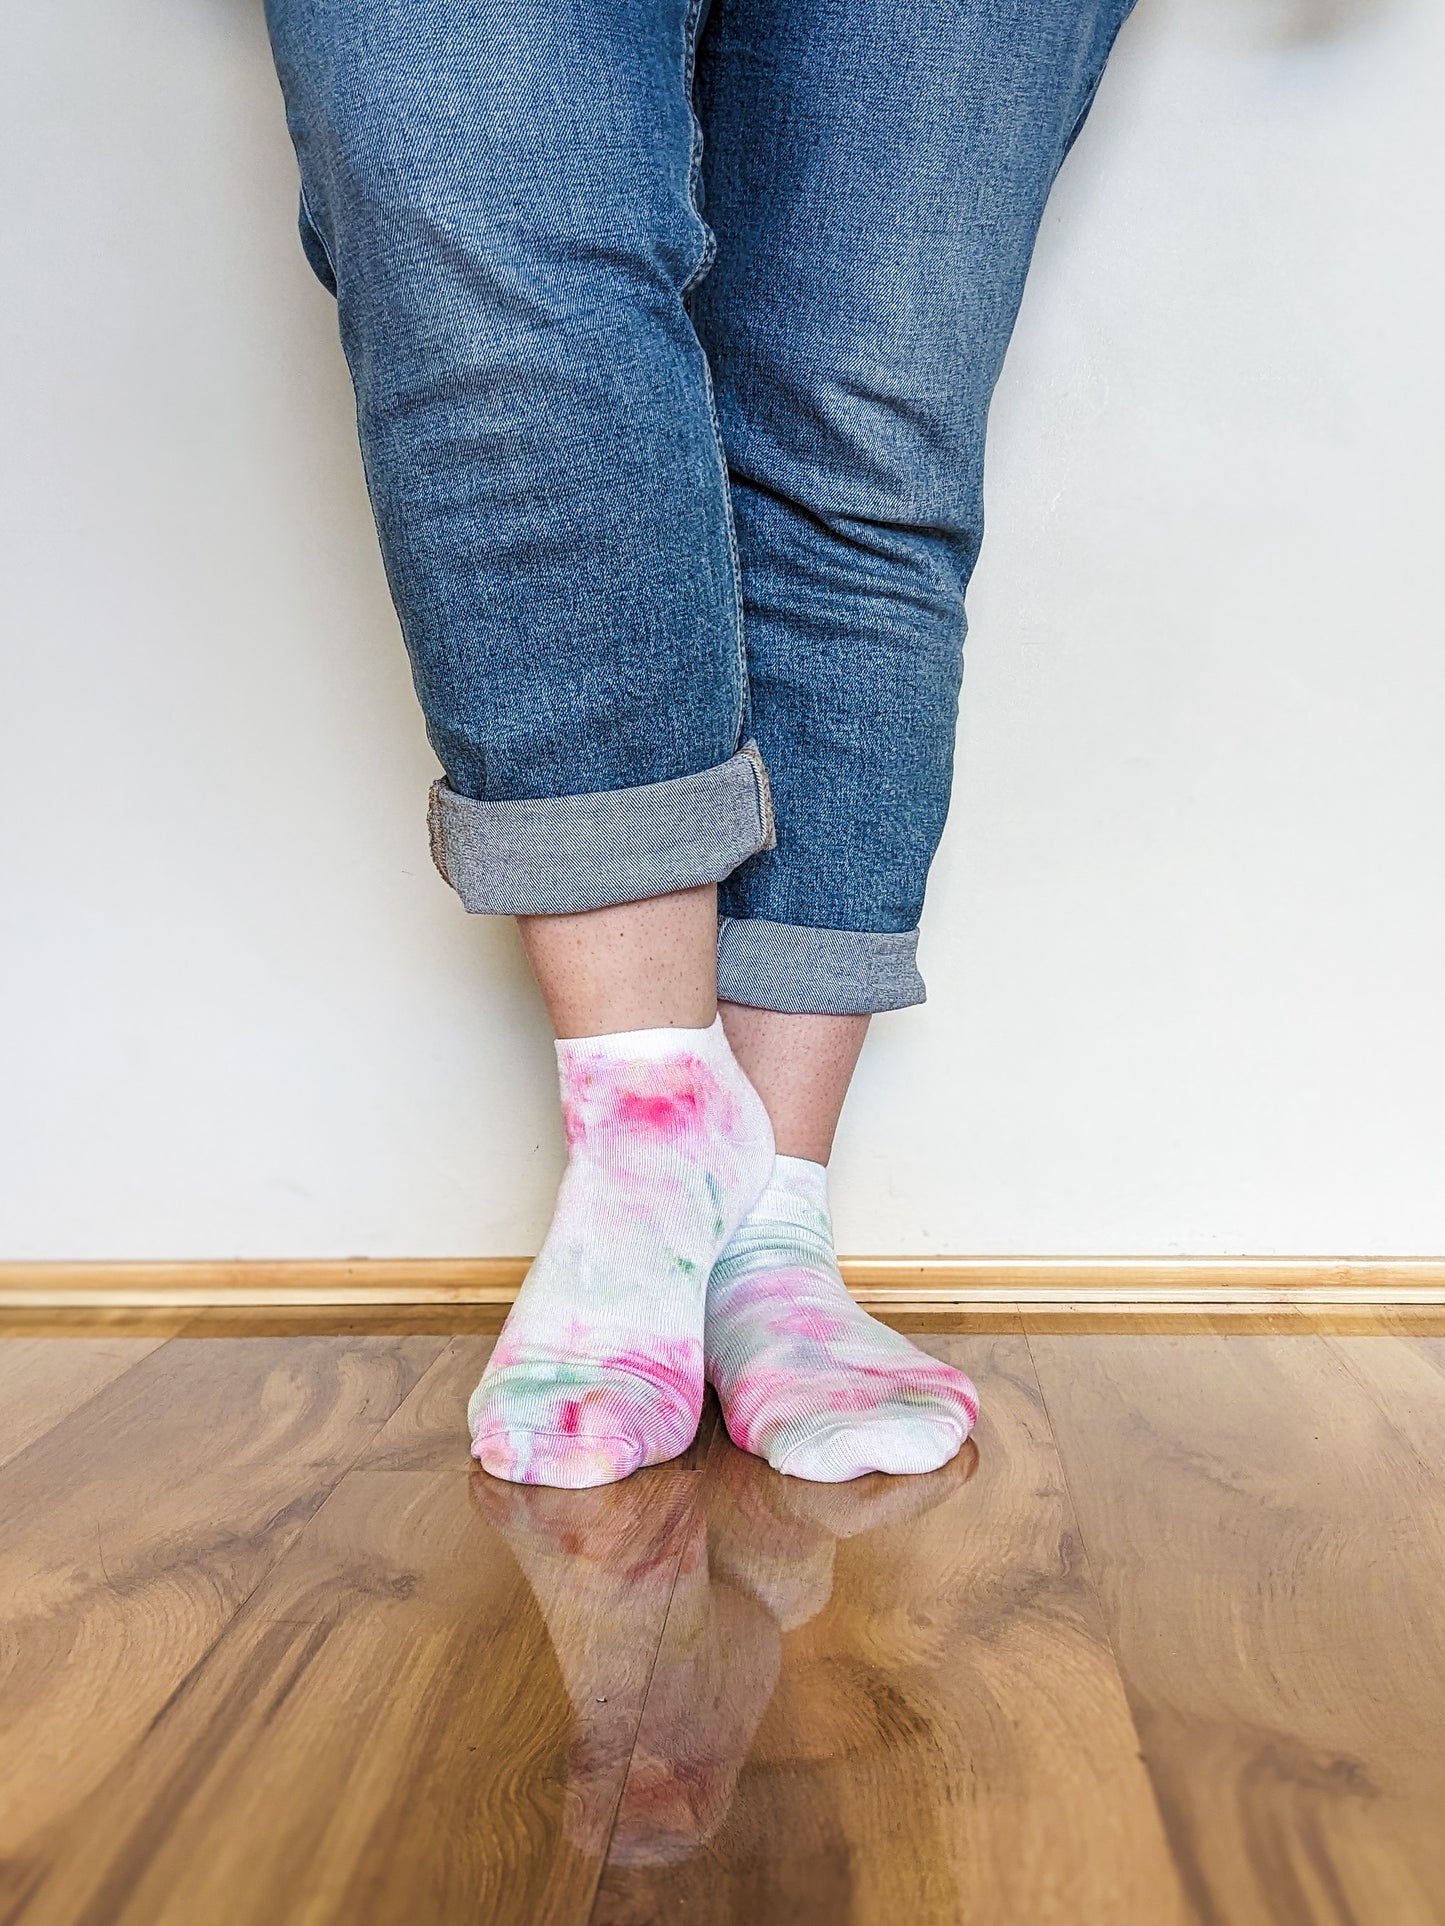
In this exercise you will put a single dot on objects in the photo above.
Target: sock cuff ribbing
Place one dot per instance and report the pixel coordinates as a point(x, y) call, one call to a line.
point(635, 1046)
point(801, 1177)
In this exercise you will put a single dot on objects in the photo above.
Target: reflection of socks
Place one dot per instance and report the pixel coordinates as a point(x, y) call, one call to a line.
point(775, 1538)
point(715, 1673)
point(605, 1568)
point(767, 1571)
point(599, 1367)
point(806, 1378)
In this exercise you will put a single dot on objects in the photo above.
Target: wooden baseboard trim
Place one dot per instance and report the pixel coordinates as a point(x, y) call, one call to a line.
point(896, 1282)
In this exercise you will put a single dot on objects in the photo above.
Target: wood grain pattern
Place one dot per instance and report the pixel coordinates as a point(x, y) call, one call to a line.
point(273, 1651)
point(1234, 1320)
point(1268, 1538)
point(55, 1318)
point(136, 1527)
point(876, 1281)
point(342, 1320)
point(424, 1714)
point(43, 1380)
point(1401, 1362)
point(892, 1701)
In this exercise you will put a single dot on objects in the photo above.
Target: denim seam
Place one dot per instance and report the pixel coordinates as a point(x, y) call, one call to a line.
point(705, 261)
point(315, 227)
point(765, 794)
point(1091, 89)
point(694, 148)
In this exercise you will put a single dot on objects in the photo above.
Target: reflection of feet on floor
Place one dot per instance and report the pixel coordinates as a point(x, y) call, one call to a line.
point(624, 1531)
point(601, 1566)
point(775, 1537)
point(714, 1677)
point(768, 1569)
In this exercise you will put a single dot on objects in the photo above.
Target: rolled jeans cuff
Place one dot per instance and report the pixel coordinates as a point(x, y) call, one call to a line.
point(546, 856)
point(775, 966)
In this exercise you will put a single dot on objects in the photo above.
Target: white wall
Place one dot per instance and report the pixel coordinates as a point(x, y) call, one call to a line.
point(1187, 938)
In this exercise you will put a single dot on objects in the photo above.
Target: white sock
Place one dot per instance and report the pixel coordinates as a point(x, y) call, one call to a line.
point(806, 1378)
point(598, 1369)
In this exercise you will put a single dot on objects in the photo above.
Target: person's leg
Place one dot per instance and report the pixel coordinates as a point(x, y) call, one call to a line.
point(801, 1067)
point(637, 966)
point(876, 175)
point(503, 201)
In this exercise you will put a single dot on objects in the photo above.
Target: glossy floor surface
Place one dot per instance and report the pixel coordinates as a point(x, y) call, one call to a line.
point(1166, 1645)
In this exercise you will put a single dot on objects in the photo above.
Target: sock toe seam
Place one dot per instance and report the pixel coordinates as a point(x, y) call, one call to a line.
point(824, 1435)
point(504, 1433)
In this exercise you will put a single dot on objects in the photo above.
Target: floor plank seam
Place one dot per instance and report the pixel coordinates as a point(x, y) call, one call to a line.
point(626, 1774)
point(280, 1559)
point(73, 1411)
point(1347, 1364)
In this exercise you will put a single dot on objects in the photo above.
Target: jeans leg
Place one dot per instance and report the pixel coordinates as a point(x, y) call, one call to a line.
point(875, 174)
point(504, 201)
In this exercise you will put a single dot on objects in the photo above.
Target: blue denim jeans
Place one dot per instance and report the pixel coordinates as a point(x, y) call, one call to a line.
point(673, 332)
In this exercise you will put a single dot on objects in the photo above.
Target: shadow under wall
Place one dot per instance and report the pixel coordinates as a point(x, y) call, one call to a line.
point(1298, 21)
point(1285, 23)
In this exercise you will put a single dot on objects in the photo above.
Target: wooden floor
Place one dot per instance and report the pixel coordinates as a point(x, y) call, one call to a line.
point(1167, 1645)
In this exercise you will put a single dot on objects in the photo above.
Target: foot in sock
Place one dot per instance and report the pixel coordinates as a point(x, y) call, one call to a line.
point(599, 1367)
point(806, 1378)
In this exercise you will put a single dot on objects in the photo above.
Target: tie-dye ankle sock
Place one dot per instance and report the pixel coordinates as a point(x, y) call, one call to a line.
point(806, 1378)
point(599, 1366)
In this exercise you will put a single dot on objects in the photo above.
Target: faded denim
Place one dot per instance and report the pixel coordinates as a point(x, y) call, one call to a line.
point(652, 487)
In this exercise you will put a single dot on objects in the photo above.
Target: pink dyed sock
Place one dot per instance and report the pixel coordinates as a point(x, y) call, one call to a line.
point(598, 1369)
point(806, 1378)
